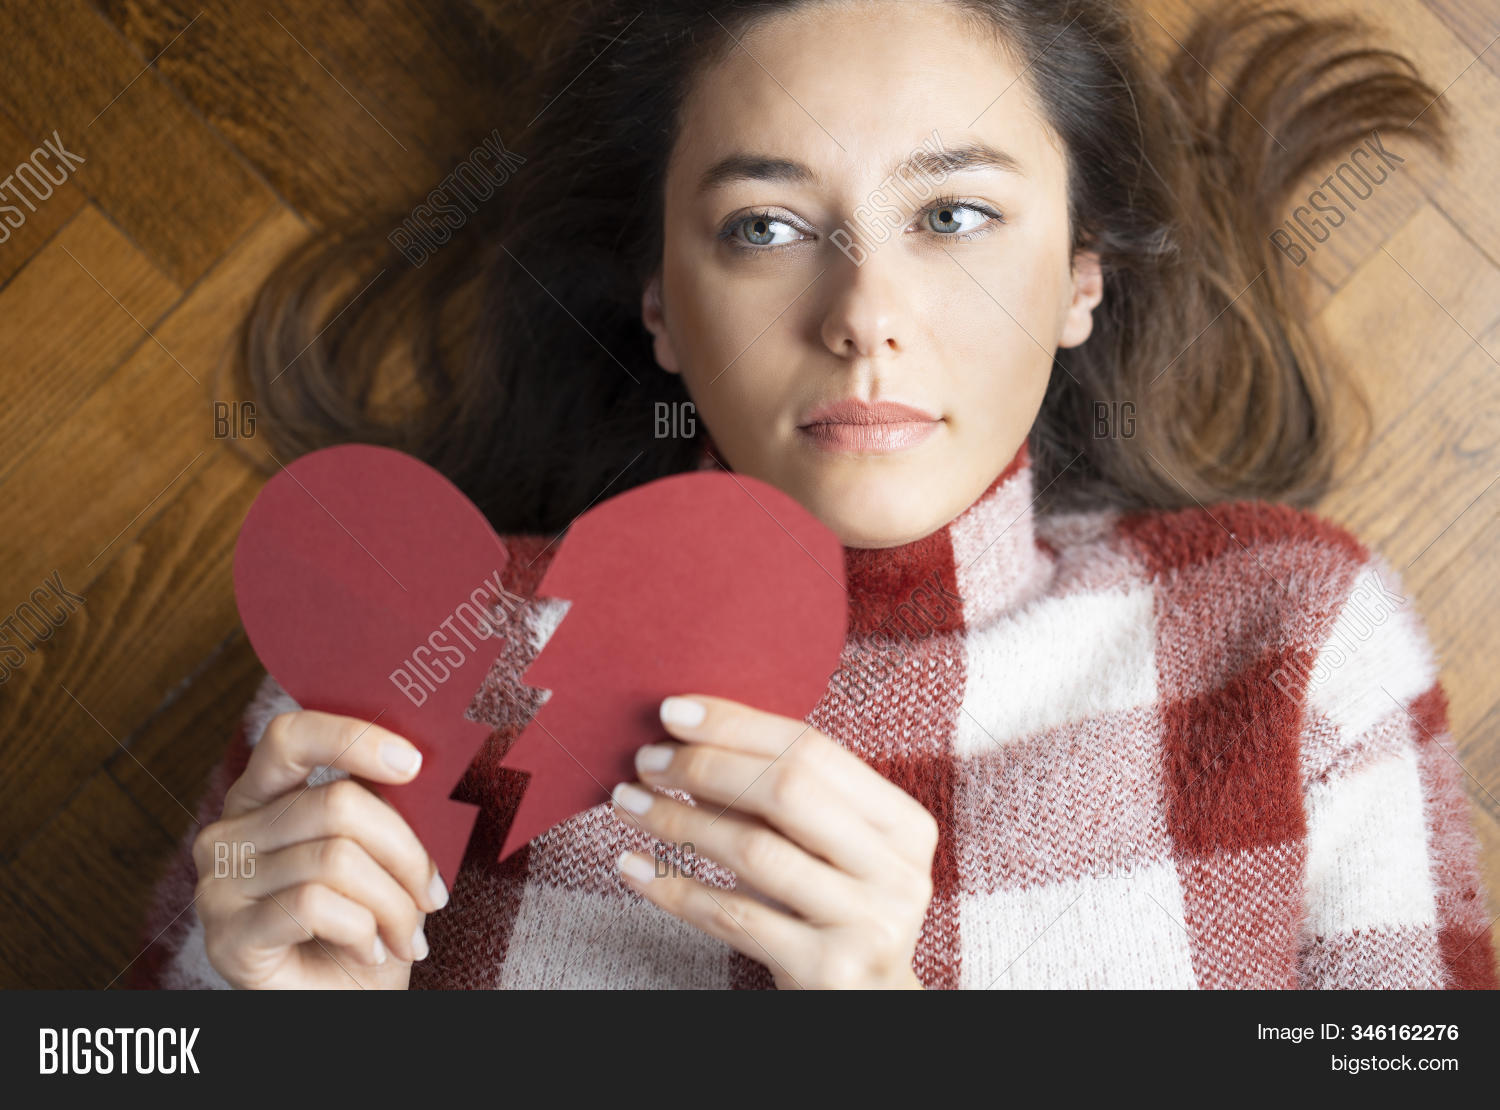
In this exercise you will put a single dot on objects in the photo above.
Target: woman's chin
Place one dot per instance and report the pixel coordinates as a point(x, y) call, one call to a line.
point(870, 500)
point(878, 512)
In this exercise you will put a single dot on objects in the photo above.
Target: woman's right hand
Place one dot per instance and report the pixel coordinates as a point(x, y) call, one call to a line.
point(316, 887)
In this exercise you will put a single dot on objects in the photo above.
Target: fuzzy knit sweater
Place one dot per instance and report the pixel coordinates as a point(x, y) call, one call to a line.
point(1201, 748)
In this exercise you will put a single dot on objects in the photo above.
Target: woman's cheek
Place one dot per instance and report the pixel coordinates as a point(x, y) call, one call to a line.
point(739, 411)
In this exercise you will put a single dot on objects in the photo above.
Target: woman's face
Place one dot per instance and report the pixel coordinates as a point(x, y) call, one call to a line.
point(799, 273)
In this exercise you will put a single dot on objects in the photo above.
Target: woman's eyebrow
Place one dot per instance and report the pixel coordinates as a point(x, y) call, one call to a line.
point(938, 163)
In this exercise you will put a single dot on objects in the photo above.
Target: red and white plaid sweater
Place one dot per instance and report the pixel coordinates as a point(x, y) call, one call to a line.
point(1202, 748)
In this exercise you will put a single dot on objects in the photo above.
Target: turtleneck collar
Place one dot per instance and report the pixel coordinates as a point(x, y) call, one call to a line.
point(982, 563)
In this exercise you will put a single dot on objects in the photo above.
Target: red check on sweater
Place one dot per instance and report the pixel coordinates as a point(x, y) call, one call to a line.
point(1203, 748)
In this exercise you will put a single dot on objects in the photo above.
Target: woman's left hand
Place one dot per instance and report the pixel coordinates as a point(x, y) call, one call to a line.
point(841, 855)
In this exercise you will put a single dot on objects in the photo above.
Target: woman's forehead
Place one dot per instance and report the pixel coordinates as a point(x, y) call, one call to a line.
point(856, 102)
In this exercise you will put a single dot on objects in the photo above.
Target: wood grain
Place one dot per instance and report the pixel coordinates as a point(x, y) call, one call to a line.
point(42, 216)
point(168, 761)
point(150, 163)
point(94, 860)
point(66, 323)
point(161, 606)
point(336, 112)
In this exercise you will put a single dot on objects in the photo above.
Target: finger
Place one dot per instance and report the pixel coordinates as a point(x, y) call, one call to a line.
point(311, 912)
point(341, 808)
point(755, 852)
point(295, 744)
point(786, 793)
point(777, 940)
point(732, 724)
point(343, 865)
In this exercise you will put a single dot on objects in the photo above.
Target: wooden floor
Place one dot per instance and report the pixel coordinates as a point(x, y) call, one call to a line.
point(215, 135)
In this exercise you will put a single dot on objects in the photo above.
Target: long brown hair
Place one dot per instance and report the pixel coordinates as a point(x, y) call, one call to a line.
point(515, 361)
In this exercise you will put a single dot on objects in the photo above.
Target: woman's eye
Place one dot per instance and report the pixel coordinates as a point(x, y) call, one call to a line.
point(951, 219)
point(760, 231)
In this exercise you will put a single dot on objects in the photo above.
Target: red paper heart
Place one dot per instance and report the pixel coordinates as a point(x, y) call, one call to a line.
point(355, 565)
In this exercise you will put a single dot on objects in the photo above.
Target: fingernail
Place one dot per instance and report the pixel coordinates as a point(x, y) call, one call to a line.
point(437, 891)
point(636, 866)
point(400, 757)
point(419, 943)
point(682, 711)
point(653, 757)
point(632, 798)
point(380, 952)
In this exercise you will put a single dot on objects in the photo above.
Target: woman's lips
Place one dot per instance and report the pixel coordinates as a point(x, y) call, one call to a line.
point(870, 437)
point(858, 426)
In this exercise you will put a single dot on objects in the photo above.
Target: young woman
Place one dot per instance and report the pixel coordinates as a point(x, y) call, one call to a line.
point(997, 298)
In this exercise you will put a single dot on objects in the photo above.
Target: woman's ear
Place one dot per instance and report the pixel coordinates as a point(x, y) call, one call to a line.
point(656, 323)
point(1088, 291)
